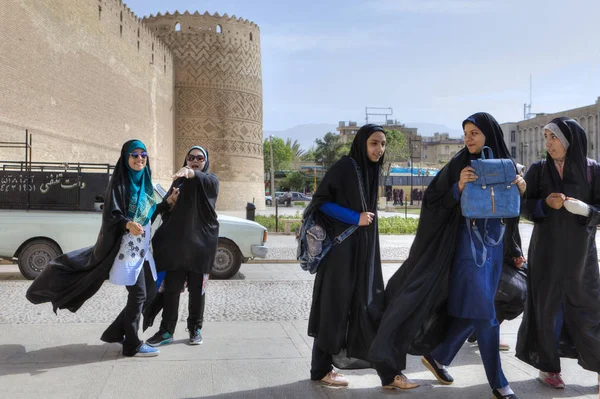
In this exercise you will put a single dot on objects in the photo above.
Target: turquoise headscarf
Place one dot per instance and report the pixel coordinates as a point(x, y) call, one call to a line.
point(141, 192)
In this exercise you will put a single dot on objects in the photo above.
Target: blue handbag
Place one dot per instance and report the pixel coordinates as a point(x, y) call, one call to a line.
point(492, 195)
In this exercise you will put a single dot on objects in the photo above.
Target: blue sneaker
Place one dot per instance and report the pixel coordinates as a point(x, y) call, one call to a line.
point(147, 351)
point(160, 338)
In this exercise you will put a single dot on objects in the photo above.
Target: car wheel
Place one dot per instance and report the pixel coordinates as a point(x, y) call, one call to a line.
point(35, 256)
point(269, 202)
point(228, 261)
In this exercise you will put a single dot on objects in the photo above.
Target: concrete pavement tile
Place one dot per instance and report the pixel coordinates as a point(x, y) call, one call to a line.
point(297, 338)
point(277, 379)
point(156, 378)
point(54, 380)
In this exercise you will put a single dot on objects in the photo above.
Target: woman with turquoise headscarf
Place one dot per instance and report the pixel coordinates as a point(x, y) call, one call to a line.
point(120, 254)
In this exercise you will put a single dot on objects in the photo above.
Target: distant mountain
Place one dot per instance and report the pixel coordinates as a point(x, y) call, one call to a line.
point(305, 134)
point(428, 129)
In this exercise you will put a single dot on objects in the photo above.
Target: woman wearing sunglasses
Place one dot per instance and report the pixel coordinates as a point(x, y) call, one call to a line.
point(185, 246)
point(121, 254)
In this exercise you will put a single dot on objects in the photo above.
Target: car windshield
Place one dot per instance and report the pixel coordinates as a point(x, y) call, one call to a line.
point(160, 190)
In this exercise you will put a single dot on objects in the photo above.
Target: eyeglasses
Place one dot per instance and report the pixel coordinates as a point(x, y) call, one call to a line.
point(200, 158)
point(136, 154)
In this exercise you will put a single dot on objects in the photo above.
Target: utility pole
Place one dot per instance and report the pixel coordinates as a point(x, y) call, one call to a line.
point(273, 199)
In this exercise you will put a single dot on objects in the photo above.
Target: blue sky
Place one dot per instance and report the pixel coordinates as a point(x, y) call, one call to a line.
point(432, 61)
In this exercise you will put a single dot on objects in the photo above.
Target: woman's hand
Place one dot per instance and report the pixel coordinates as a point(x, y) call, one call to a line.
point(134, 228)
point(172, 198)
point(556, 200)
point(183, 172)
point(521, 184)
point(466, 175)
point(366, 218)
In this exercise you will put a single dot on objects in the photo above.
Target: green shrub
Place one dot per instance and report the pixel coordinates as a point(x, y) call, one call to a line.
point(300, 203)
point(388, 226)
point(398, 225)
point(269, 222)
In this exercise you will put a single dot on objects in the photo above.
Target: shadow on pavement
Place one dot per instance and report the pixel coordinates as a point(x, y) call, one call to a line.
point(14, 359)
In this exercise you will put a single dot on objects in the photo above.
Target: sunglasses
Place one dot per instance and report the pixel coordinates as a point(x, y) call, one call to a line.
point(200, 158)
point(136, 154)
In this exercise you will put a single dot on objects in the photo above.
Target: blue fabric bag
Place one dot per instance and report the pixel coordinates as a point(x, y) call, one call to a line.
point(492, 195)
point(313, 241)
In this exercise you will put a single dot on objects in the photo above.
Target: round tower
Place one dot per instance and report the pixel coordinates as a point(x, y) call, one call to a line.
point(218, 98)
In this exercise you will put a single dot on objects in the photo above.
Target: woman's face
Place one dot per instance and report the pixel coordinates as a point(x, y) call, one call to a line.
point(375, 146)
point(195, 159)
point(554, 146)
point(474, 138)
point(138, 159)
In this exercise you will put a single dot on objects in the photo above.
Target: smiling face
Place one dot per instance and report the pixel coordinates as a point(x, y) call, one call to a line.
point(554, 146)
point(474, 138)
point(196, 160)
point(375, 146)
point(137, 159)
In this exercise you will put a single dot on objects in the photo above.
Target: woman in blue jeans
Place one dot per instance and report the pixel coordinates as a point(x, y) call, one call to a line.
point(444, 291)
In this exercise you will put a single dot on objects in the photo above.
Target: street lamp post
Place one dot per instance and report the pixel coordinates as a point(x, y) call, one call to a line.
point(411, 149)
point(272, 172)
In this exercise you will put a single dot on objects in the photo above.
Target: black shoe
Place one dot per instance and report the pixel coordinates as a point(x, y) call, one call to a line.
point(472, 338)
point(441, 374)
point(195, 336)
point(498, 395)
point(160, 338)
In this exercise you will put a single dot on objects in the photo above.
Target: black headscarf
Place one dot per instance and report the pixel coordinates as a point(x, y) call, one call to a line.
point(494, 138)
point(576, 157)
point(370, 170)
point(204, 152)
point(72, 278)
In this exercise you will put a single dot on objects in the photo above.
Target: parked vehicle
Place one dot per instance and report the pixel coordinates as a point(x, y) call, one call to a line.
point(268, 200)
point(36, 231)
point(292, 196)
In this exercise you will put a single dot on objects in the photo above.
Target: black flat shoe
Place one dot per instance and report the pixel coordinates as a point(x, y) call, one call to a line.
point(441, 374)
point(498, 395)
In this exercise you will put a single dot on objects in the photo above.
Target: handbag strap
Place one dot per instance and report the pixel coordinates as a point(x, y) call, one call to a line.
point(471, 225)
point(348, 232)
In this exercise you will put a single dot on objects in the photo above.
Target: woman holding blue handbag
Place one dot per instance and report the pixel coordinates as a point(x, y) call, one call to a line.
point(442, 293)
point(562, 314)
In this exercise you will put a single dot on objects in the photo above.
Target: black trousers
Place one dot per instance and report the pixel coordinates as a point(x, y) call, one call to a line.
point(174, 281)
point(320, 364)
point(127, 322)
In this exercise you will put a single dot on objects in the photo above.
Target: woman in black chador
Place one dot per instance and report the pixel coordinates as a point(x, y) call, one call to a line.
point(121, 254)
point(348, 290)
point(440, 296)
point(562, 315)
point(185, 246)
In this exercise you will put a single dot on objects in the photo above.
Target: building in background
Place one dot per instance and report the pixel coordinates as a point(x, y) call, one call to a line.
point(525, 139)
point(85, 76)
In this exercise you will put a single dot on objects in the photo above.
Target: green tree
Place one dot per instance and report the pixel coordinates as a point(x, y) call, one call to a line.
point(396, 149)
point(282, 159)
point(297, 152)
point(309, 156)
point(295, 181)
point(328, 149)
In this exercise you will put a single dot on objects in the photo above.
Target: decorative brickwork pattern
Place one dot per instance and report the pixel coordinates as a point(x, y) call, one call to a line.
point(218, 97)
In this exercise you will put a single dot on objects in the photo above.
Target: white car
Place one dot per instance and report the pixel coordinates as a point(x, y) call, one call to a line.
point(33, 238)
